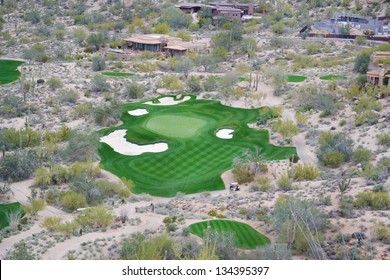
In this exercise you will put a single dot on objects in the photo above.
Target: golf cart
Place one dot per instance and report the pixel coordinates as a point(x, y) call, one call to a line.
point(234, 186)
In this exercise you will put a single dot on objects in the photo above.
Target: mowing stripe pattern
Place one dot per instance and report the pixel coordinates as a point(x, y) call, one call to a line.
point(246, 236)
point(196, 157)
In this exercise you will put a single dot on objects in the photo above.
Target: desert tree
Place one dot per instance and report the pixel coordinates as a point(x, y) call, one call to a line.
point(184, 66)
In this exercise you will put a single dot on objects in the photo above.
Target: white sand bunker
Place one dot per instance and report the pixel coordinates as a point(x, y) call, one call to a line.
point(225, 133)
point(138, 112)
point(118, 142)
point(166, 101)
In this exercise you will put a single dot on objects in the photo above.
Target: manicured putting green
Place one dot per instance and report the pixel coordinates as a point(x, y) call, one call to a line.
point(195, 157)
point(296, 79)
point(9, 71)
point(118, 74)
point(6, 208)
point(333, 77)
point(176, 125)
point(246, 236)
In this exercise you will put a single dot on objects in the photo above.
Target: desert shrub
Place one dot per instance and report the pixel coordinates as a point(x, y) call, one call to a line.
point(42, 177)
point(368, 117)
point(68, 228)
point(305, 172)
point(107, 114)
point(51, 223)
point(346, 205)
point(361, 155)
point(285, 182)
point(12, 106)
point(34, 206)
point(361, 62)
point(23, 138)
point(299, 223)
point(326, 200)
point(20, 252)
point(97, 217)
point(193, 84)
point(98, 63)
point(110, 189)
point(81, 147)
point(342, 122)
point(99, 84)
point(135, 90)
point(211, 83)
point(72, 201)
point(81, 110)
point(367, 103)
point(378, 173)
point(331, 142)
point(55, 83)
point(383, 139)
point(96, 40)
point(18, 165)
point(88, 188)
point(273, 252)
point(69, 96)
point(286, 128)
point(374, 200)
point(333, 159)
point(242, 174)
point(264, 183)
point(171, 82)
point(381, 232)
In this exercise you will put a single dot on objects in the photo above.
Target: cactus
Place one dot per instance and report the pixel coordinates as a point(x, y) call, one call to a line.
point(344, 185)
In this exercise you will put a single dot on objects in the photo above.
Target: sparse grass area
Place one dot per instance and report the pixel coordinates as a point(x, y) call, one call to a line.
point(196, 157)
point(296, 78)
point(246, 236)
point(8, 71)
point(4, 209)
point(118, 74)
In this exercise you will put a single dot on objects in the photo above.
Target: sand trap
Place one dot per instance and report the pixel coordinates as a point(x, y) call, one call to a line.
point(225, 133)
point(138, 112)
point(166, 101)
point(118, 142)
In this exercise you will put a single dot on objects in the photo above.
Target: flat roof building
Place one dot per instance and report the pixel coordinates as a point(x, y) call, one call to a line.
point(172, 46)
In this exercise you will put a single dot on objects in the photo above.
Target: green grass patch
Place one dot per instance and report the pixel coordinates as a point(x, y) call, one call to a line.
point(8, 71)
point(246, 236)
point(241, 79)
point(296, 78)
point(5, 208)
point(333, 78)
point(118, 74)
point(196, 157)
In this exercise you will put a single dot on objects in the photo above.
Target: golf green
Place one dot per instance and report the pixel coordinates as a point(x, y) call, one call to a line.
point(333, 77)
point(246, 236)
point(9, 71)
point(192, 157)
point(173, 125)
point(4, 209)
point(296, 79)
point(118, 74)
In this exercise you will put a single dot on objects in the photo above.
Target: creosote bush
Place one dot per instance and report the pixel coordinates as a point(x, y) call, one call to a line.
point(373, 200)
point(285, 182)
point(305, 172)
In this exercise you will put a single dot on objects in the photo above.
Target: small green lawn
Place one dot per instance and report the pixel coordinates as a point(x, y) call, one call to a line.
point(5, 208)
point(8, 71)
point(246, 236)
point(333, 77)
point(118, 74)
point(296, 78)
